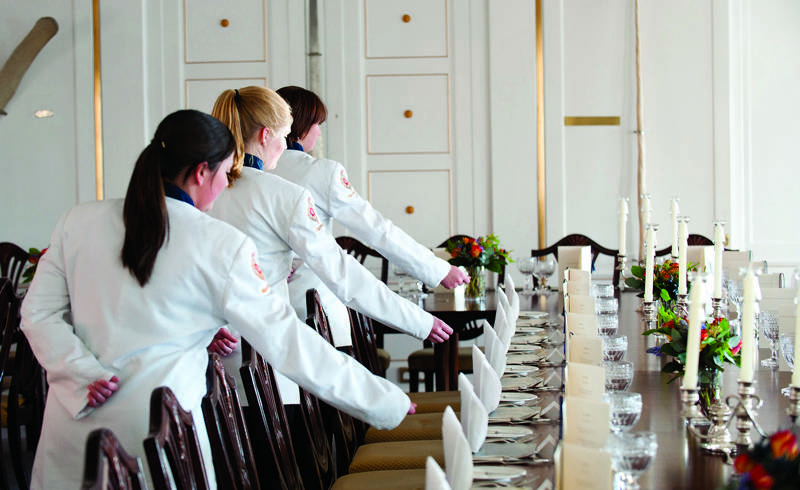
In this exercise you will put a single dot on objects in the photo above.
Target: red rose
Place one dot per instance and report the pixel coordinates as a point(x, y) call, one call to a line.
point(475, 251)
point(760, 478)
point(783, 444)
point(742, 464)
point(454, 253)
point(703, 335)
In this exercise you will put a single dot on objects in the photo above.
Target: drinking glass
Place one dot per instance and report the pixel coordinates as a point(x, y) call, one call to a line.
point(631, 454)
point(607, 324)
point(602, 290)
point(768, 320)
point(603, 306)
point(735, 290)
point(544, 268)
point(624, 410)
point(619, 375)
point(614, 348)
point(526, 267)
point(786, 343)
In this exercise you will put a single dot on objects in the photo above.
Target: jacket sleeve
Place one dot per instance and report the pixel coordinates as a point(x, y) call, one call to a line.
point(69, 363)
point(267, 321)
point(347, 207)
point(351, 282)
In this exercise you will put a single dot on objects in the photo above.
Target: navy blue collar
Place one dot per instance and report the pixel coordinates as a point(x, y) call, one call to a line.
point(253, 161)
point(175, 192)
point(296, 146)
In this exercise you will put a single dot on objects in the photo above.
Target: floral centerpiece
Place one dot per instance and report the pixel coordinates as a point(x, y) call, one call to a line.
point(33, 261)
point(665, 280)
point(478, 254)
point(718, 345)
point(772, 463)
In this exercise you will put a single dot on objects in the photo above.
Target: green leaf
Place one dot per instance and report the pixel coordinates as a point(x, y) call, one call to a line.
point(637, 270)
point(665, 295)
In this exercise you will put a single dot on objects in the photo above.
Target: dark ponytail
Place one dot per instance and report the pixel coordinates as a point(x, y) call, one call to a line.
point(183, 140)
point(307, 110)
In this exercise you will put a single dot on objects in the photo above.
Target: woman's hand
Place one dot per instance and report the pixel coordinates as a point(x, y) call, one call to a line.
point(224, 343)
point(412, 408)
point(455, 277)
point(440, 331)
point(101, 390)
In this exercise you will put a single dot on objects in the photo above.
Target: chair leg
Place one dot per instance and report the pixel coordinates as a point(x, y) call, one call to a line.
point(413, 381)
point(429, 376)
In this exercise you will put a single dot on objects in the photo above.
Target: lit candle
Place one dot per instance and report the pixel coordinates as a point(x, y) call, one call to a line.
point(693, 335)
point(650, 256)
point(683, 237)
point(623, 223)
point(719, 239)
point(748, 326)
point(674, 212)
point(796, 367)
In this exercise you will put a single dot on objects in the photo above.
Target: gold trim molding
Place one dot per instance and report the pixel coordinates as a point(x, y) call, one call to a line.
point(540, 167)
point(98, 103)
point(591, 120)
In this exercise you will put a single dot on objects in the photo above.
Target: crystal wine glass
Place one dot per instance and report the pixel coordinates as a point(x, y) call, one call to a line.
point(631, 454)
point(602, 290)
point(768, 320)
point(614, 348)
point(619, 375)
point(624, 410)
point(786, 343)
point(735, 290)
point(544, 268)
point(526, 266)
point(607, 324)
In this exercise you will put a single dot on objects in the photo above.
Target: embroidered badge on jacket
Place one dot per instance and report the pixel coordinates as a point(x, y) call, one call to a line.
point(259, 273)
point(312, 214)
point(346, 184)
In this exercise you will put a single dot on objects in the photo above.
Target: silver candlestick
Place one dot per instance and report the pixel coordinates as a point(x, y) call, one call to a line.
point(621, 259)
point(690, 398)
point(794, 404)
point(744, 408)
point(649, 314)
point(719, 307)
point(681, 307)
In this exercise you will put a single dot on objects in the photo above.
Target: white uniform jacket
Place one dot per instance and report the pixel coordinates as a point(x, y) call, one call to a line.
point(87, 318)
point(335, 198)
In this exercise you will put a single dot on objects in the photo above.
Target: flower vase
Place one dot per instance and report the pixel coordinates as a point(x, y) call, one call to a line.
point(476, 287)
point(709, 388)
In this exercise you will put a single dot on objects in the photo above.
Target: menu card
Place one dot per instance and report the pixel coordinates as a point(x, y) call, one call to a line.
point(585, 381)
point(575, 303)
point(573, 257)
point(578, 287)
point(586, 422)
point(585, 349)
point(584, 467)
point(581, 324)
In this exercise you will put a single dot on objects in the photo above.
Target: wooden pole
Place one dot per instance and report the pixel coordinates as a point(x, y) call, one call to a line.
point(641, 172)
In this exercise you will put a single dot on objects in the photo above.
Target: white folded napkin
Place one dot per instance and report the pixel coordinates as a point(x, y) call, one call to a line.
point(505, 330)
point(457, 455)
point(435, 479)
point(495, 349)
point(512, 294)
point(487, 381)
point(474, 417)
point(502, 300)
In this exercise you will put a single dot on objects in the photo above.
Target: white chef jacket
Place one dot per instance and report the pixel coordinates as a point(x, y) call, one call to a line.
point(282, 220)
point(87, 318)
point(335, 198)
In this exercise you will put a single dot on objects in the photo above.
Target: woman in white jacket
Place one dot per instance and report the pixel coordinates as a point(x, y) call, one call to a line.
point(336, 199)
point(130, 294)
point(282, 220)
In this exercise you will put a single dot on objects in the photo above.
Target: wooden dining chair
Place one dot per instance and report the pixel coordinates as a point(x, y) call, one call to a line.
point(270, 434)
point(692, 240)
point(12, 262)
point(24, 388)
point(234, 464)
point(107, 466)
point(172, 448)
point(576, 239)
point(347, 432)
point(422, 361)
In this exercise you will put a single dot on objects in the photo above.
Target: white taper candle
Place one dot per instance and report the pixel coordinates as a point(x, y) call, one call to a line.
point(748, 326)
point(683, 237)
point(693, 336)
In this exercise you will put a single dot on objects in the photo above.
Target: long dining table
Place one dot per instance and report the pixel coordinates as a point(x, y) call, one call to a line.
point(680, 462)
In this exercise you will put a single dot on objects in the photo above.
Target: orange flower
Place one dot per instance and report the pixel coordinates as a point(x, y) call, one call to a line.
point(760, 478)
point(466, 239)
point(784, 445)
point(454, 253)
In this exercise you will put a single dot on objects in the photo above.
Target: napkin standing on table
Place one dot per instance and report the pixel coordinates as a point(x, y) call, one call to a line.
point(495, 349)
point(511, 292)
point(501, 325)
point(435, 479)
point(474, 417)
point(502, 300)
point(457, 455)
point(487, 381)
